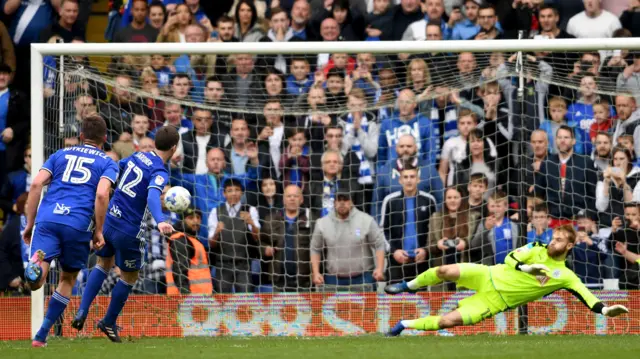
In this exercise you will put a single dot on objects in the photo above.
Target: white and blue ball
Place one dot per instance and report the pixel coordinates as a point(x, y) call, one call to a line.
point(177, 199)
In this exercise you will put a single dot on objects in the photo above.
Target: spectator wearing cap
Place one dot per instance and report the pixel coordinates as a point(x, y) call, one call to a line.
point(388, 176)
point(629, 79)
point(405, 221)
point(234, 234)
point(593, 22)
point(188, 269)
point(350, 246)
point(67, 26)
point(286, 240)
point(14, 124)
point(138, 30)
point(434, 12)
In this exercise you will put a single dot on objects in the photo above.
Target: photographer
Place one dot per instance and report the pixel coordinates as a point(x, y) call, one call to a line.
point(450, 231)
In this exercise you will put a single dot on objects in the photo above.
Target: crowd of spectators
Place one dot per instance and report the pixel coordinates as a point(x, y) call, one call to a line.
point(337, 171)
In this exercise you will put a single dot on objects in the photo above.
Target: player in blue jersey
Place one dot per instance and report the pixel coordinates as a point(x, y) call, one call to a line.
point(137, 195)
point(79, 179)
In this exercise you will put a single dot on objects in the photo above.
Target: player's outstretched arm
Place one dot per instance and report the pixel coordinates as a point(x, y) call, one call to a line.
point(101, 204)
point(35, 193)
point(155, 207)
point(580, 291)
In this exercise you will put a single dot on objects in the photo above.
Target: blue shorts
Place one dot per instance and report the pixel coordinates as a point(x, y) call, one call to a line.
point(129, 250)
point(58, 241)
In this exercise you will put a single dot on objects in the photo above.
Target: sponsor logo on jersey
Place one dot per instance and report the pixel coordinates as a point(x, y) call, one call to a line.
point(543, 279)
point(159, 180)
point(115, 211)
point(62, 209)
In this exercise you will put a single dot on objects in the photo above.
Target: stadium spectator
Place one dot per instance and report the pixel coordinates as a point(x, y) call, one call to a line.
point(12, 251)
point(602, 154)
point(334, 140)
point(196, 143)
point(539, 152)
point(67, 26)
point(603, 122)
point(73, 119)
point(233, 236)
point(617, 186)
point(286, 239)
point(197, 67)
point(379, 20)
point(454, 148)
point(407, 120)
point(557, 109)
point(487, 19)
point(478, 185)
point(591, 257)
point(243, 82)
point(561, 61)
point(295, 163)
point(450, 231)
point(274, 131)
point(7, 52)
point(279, 31)
point(334, 176)
point(405, 221)
point(138, 30)
point(481, 157)
point(404, 14)
point(593, 22)
point(17, 183)
point(538, 228)
point(270, 198)
point(300, 79)
point(628, 119)
point(343, 241)
point(15, 126)
point(629, 79)
point(567, 180)
point(247, 27)
point(117, 111)
point(434, 13)
point(630, 18)
point(187, 260)
point(157, 14)
point(467, 74)
point(626, 236)
point(387, 178)
point(497, 236)
point(176, 25)
point(300, 16)
point(197, 11)
point(173, 116)
point(226, 27)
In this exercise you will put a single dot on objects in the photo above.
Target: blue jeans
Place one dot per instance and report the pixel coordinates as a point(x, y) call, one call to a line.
point(359, 280)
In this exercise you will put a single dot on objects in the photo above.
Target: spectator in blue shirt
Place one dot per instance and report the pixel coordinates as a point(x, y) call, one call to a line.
point(538, 229)
point(301, 79)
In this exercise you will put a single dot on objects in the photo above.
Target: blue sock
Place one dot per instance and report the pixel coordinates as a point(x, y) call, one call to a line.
point(94, 283)
point(57, 304)
point(118, 298)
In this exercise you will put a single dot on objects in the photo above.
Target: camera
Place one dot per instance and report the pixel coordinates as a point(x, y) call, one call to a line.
point(452, 243)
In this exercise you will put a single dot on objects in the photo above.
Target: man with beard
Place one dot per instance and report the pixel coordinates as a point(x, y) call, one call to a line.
point(628, 119)
point(528, 274)
point(187, 261)
point(602, 155)
point(567, 180)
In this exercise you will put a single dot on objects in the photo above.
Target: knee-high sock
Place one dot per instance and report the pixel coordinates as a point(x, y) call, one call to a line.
point(57, 305)
point(118, 298)
point(426, 323)
point(425, 279)
point(94, 283)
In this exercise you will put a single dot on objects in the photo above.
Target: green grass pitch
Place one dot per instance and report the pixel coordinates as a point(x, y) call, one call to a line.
point(366, 347)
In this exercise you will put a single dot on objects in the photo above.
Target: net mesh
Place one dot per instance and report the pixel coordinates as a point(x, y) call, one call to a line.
point(338, 123)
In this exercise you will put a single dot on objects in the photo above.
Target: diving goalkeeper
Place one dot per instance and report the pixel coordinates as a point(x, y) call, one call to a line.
point(529, 273)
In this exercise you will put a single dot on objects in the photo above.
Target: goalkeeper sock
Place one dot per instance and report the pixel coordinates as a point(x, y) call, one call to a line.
point(425, 279)
point(57, 304)
point(426, 323)
point(94, 283)
point(118, 298)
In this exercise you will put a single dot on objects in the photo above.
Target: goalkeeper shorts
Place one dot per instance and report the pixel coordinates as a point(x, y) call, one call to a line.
point(486, 302)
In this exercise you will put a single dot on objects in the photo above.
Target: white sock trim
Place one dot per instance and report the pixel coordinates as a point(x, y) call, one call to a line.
point(413, 284)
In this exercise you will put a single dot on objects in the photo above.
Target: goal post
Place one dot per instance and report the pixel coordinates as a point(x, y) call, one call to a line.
point(105, 51)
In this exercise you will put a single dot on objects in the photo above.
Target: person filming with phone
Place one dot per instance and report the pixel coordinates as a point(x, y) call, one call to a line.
point(617, 185)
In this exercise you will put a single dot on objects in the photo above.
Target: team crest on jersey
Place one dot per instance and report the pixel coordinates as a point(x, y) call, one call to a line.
point(159, 180)
point(543, 279)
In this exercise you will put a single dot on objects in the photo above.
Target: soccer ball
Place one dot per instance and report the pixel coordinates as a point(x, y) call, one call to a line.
point(177, 199)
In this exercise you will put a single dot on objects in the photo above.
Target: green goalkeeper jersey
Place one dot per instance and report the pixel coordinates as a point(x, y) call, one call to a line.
point(518, 288)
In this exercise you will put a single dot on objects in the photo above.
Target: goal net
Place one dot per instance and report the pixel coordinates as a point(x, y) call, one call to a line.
point(447, 153)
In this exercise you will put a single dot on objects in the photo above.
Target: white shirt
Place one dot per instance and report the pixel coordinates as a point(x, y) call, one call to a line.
point(201, 160)
point(603, 26)
point(275, 142)
point(212, 223)
point(454, 150)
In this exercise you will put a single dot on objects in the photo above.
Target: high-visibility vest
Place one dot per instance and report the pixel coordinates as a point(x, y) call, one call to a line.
point(199, 273)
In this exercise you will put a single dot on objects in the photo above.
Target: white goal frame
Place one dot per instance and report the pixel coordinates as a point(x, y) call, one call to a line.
point(38, 51)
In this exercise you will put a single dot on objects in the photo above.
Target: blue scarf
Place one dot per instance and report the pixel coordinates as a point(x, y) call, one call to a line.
point(450, 124)
point(328, 197)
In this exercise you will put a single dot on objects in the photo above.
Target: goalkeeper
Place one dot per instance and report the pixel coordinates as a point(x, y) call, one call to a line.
point(529, 273)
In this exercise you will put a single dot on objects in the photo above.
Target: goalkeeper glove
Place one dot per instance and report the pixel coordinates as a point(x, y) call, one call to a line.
point(534, 269)
point(614, 310)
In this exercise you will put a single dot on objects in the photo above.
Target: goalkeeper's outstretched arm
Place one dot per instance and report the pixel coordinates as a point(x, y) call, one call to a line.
point(580, 291)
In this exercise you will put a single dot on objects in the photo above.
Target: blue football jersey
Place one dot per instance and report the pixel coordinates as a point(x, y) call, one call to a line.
point(75, 174)
point(140, 172)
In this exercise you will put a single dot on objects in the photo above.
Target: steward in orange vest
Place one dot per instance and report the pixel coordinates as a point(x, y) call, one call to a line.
point(188, 269)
